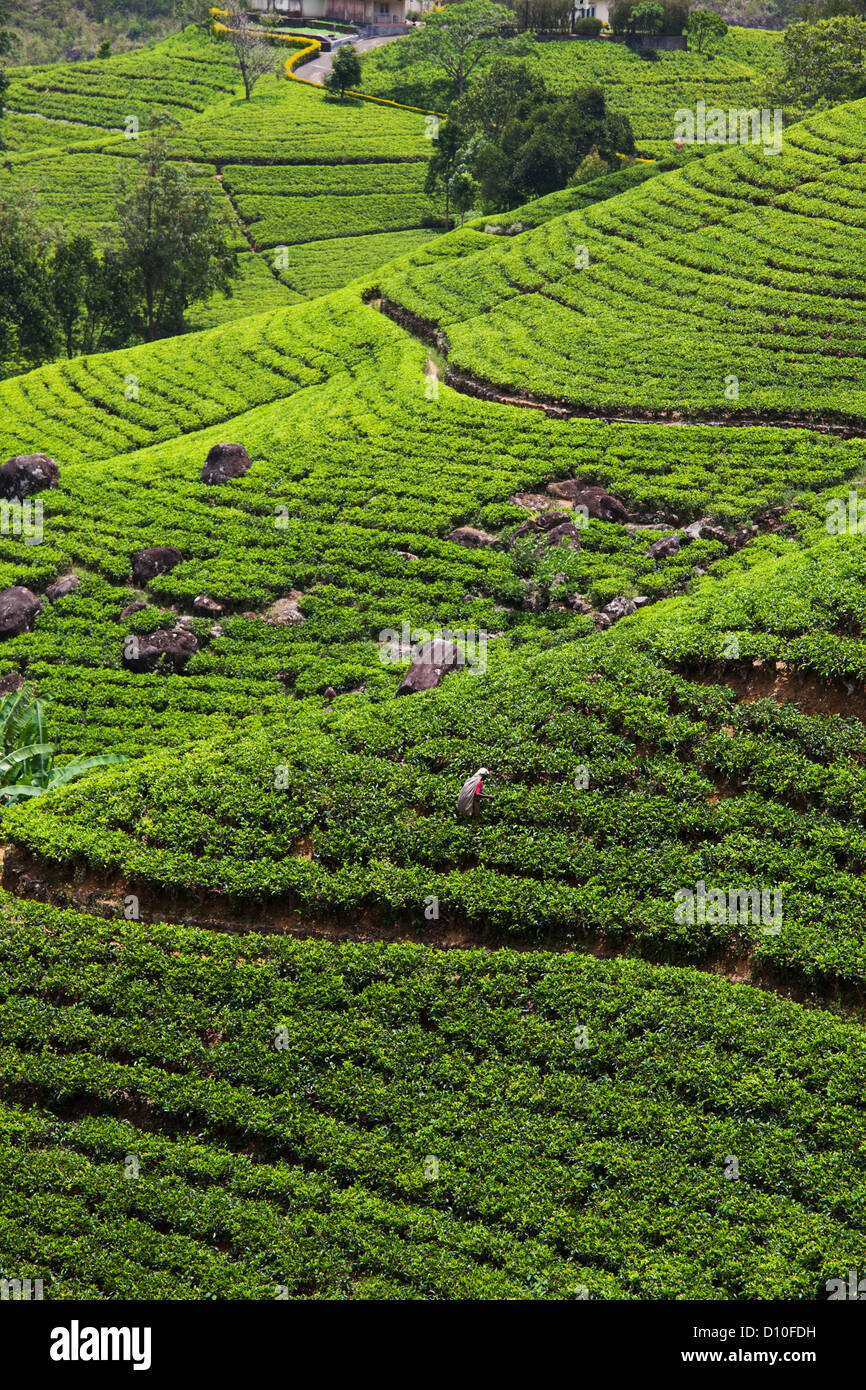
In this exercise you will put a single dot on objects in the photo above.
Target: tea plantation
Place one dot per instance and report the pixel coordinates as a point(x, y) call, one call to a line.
point(274, 1020)
point(737, 73)
point(339, 188)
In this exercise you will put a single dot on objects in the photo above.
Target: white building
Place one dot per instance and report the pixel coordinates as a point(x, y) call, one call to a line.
point(599, 10)
point(360, 12)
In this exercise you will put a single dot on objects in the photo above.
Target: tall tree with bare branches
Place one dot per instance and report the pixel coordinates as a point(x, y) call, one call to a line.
point(253, 54)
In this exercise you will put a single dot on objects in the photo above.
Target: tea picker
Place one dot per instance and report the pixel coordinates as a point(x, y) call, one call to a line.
point(469, 800)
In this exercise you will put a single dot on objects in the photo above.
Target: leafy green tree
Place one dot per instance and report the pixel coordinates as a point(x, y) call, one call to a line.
point(175, 242)
point(443, 162)
point(456, 38)
point(542, 146)
point(28, 330)
point(26, 760)
point(647, 17)
point(703, 26)
point(493, 97)
point(95, 298)
point(824, 62)
point(345, 71)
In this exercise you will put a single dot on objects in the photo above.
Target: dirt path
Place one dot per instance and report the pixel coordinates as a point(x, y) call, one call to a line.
point(431, 335)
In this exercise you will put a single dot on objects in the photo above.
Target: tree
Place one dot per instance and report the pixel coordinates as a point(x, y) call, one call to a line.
point(457, 37)
point(541, 147)
point(647, 17)
point(175, 243)
point(703, 26)
point(824, 62)
point(443, 162)
point(96, 300)
point(494, 96)
point(28, 332)
point(345, 70)
point(104, 49)
point(253, 54)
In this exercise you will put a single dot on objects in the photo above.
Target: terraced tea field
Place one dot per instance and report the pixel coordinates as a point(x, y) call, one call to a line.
point(277, 1022)
point(728, 288)
point(736, 73)
point(321, 192)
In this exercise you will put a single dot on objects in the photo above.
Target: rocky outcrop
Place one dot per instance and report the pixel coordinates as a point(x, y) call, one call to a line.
point(154, 560)
point(166, 651)
point(600, 504)
point(225, 461)
point(664, 548)
point(26, 474)
point(472, 538)
point(431, 662)
point(285, 611)
point(62, 587)
point(19, 609)
point(554, 526)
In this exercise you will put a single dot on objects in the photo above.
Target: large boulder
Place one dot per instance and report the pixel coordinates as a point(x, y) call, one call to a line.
point(154, 560)
point(600, 504)
point(472, 538)
point(664, 548)
point(430, 663)
point(206, 607)
point(19, 609)
point(167, 650)
point(62, 587)
point(26, 474)
point(225, 461)
point(285, 611)
point(566, 533)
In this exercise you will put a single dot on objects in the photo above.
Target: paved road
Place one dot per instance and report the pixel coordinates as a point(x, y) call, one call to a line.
point(315, 71)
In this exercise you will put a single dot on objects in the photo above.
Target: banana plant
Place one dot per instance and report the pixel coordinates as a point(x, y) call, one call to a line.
point(26, 758)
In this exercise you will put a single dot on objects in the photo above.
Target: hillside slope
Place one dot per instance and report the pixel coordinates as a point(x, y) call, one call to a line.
point(730, 287)
point(736, 74)
point(679, 779)
point(338, 187)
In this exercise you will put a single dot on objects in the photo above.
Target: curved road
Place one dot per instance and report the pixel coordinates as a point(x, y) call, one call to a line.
point(315, 71)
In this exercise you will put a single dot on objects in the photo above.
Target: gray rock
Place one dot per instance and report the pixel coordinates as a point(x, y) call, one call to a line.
point(431, 662)
point(620, 607)
point(61, 587)
point(662, 549)
point(285, 610)
point(19, 609)
point(26, 474)
point(472, 538)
